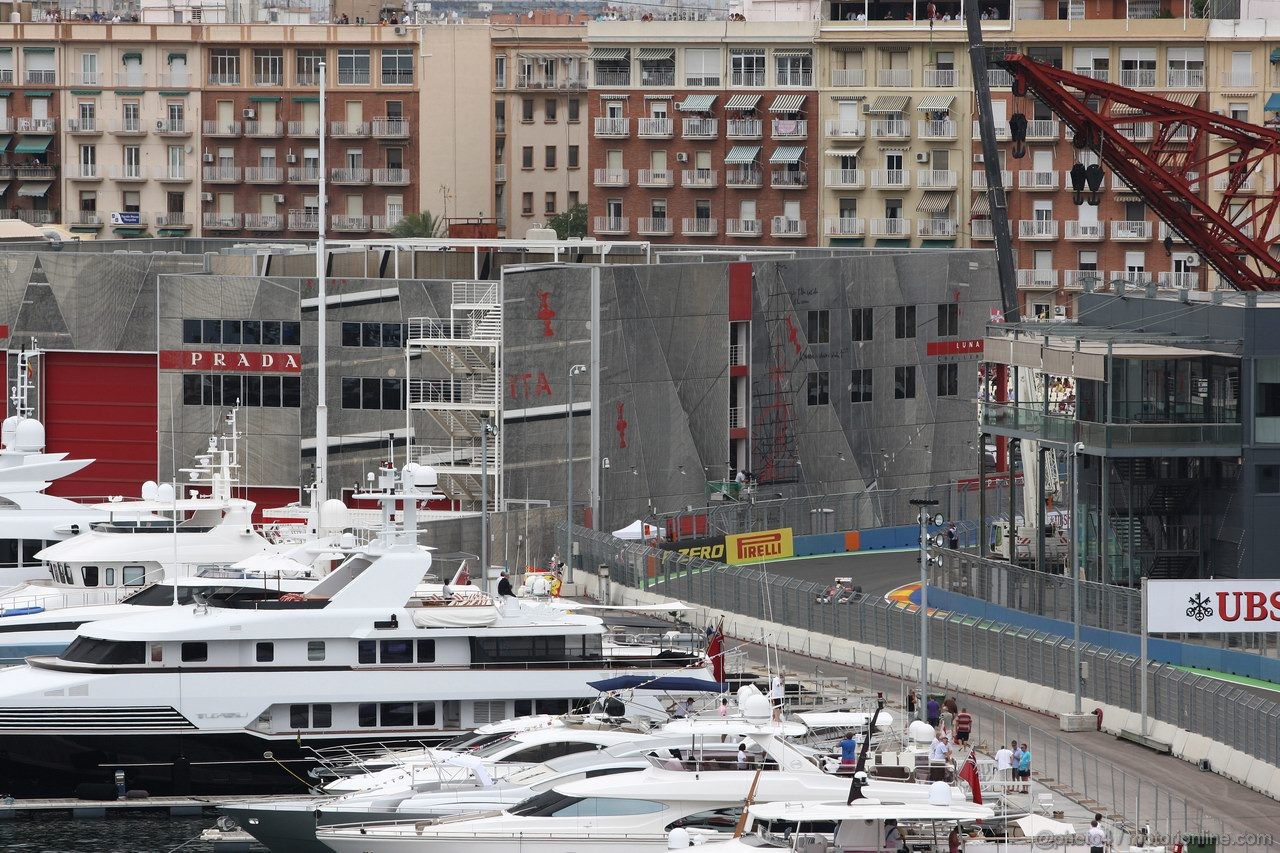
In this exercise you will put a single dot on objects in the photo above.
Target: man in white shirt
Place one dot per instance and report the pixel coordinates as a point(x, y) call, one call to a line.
point(1096, 838)
point(1004, 764)
point(938, 750)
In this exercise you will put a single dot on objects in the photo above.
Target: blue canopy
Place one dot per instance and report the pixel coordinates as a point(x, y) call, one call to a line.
point(666, 682)
point(1273, 103)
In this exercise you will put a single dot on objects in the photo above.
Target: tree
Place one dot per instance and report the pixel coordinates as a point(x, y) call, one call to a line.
point(571, 223)
point(424, 224)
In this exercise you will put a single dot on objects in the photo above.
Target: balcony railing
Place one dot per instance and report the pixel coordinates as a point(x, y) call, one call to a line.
point(85, 217)
point(1038, 229)
point(221, 174)
point(891, 128)
point(1102, 75)
point(175, 173)
point(1075, 279)
point(891, 228)
point(1002, 131)
point(890, 179)
point(6, 75)
point(83, 126)
point(175, 219)
point(129, 173)
point(612, 128)
point(738, 352)
point(229, 78)
point(263, 222)
point(35, 217)
point(937, 228)
point(81, 78)
point(979, 179)
point(613, 78)
point(846, 128)
point(942, 78)
point(1134, 278)
point(657, 78)
point(386, 222)
point(1137, 130)
point(389, 127)
point(35, 172)
point(656, 226)
point(1029, 179)
point(1043, 129)
point(1131, 230)
point(794, 78)
point(785, 128)
point(348, 129)
point(174, 127)
point(1185, 78)
point(849, 77)
point(783, 226)
point(936, 179)
point(349, 176)
point(41, 78)
point(655, 128)
point(945, 129)
point(263, 175)
point(744, 227)
point(1220, 183)
point(893, 77)
point(749, 79)
point(1037, 279)
point(84, 172)
point(846, 178)
point(500, 173)
point(222, 128)
point(701, 178)
point(611, 225)
point(744, 177)
point(1239, 79)
point(6, 125)
point(845, 226)
point(1138, 78)
point(220, 221)
point(343, 222)
point(744, 128)
point(699, 128)
point(1065, 430)
point(264, 128)
point(310, 127)
point(395, 177)
point(655, 178)
point(353, 77)
point(1167, 233)
point(999, 78)
point(699, 227)
point(1184, 280)
point(702, 80)
point(37, 125)
point(1076, 230)
point(304, 175)
point(789, 179)
point(612, 177)
point(981, 229)
point(304, 220)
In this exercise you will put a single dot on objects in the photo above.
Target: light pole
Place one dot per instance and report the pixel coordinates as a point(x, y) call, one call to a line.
point(568, 509)
point(924, 505)
point(486, 429)
point(604, 469)
point(1076, 531)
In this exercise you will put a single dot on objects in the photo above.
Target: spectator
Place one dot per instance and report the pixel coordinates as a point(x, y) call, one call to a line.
point(1024, 768)
point(964, 723)
point(848, 752)
point(911, 703)
point(1096, 837)
point(947, 720)
point(504, 587)
point(688, 707)
point(931, 713)
point(744, 760)
point(953, 537)
point(677, 711)
point(1004, 764)
point(556, 583)
point(953, 840)
point(938, 750)
point(950, 704)
point(777, 692)
point(893, 836)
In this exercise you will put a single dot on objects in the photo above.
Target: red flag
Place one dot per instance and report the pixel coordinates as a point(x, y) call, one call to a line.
point(463, 577)
point(969, 773)
point(715, 650)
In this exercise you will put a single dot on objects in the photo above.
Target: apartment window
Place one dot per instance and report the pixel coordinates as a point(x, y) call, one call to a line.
point(353, 67)
point(747, 66)
point(575, 110)
point(306, 66)
point(948, 380)
point(860, 386)
point(549, 203)
point(819, 327)
point(904, 382)
point(132, 113)
point(702, 67)
point(89, 201)
point(549, 157)
point(1267, 480)
point(948, 320)
point(794, 69)
point(132, 161)
point(88, 115)
point(526, 157)
point(500, 72)
point(658, 69)
point(573, 198)
point(573, 157)
point(1047, 55)
point(177, 112)
point(268, 67)
point(397, 67)
point(526, 110)
point(658, 209)
point(1186, 66)
point(176, 203)
point(549, 110)
point(819, 386)
point(176, 159)
point(860, 322)
point(526, 204)
point(1135, 211)
point(1238, 111)
point(1087, 261)
point(904, 321)
point(224, 67)
point(372, 393)
point(88, 160)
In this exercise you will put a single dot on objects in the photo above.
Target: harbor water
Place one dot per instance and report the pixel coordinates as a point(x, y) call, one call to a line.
point(117, 833)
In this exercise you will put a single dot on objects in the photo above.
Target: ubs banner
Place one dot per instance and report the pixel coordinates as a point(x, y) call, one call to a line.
point(1210, 607)
point(759, 547)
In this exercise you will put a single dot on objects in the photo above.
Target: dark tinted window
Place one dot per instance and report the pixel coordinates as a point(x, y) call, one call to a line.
point(290, 333)
point(266, 652)
point(367, 714)
point(195, 652)
point(321, 716)
point(298, 716)
point(90, 574)
point(191, 331)
point(351, 334)
point(397, 651)
point(271, 333)
point(368, 651)
point(427, 651)
point(350, 392)
point(426, 713)
point(251, 332)
point(210, 332)
point(191, 384)
point(397, 714)
point(231, 331)
point(89, 650)
point(291, 392)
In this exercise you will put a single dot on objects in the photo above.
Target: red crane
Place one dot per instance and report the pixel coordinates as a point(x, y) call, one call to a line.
point(1185, 141)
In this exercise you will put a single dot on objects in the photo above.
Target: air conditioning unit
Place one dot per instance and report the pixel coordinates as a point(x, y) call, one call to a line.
point(160, 124)
point(1060, 311)
point(249, 113)
point(1191, 260)
point(278, 199)
point(977, 158)
point(922, 156)
point(206, 196)
point(208, 157)
point(291, 157)
point(400, 31)
point(682, 157)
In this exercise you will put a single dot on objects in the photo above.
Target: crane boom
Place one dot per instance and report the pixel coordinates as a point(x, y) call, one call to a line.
point(1189, 147)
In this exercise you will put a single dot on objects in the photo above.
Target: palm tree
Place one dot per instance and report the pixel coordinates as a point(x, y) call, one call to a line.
point(424, 224)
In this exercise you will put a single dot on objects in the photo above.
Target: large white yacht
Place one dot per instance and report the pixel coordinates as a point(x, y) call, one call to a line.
point(232, 696)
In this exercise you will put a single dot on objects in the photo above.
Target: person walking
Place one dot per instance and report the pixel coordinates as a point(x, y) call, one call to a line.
point(1024, 768)
point(953, 840)
point(911, 704)
point(947, 720)
point(931, 712)
point(777, 692)
point(964, 724)
point(744, 760)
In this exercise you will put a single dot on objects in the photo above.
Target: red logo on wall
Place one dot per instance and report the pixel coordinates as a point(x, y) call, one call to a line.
point(621, 426)
point(792, 334)
point(546, 313)
point(240, 362)
point(970, 350)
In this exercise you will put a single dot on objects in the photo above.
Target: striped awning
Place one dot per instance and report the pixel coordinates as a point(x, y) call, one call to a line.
point(696, 103)
point(742, 102)
point(787, 104)
point(740, 155)
point(658, 97)
point(548, 57)
point(4, 187)
point(746, 51)
point(935, 103)
point(793, 51)
point(614, 97)
point(609, 53)
point(981, 205)
point(848, 97)
point(787, 154)
point(1186, 99)
point(4, 141)
point(887, 104)
point(35, 189)
point(842, 152)
point(655, 53)
point(935, 201)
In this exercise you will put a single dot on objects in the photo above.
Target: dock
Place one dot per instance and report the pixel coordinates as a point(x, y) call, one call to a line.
point(174, 806)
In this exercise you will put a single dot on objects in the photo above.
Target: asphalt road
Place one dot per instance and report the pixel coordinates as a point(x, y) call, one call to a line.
point(876, 572)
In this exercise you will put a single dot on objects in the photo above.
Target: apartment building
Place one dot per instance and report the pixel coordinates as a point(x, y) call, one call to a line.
point(704, 132)
point(540, 124)
point(29, 123)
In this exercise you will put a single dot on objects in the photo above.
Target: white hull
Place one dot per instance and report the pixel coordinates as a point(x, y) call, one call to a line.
point(587, 840)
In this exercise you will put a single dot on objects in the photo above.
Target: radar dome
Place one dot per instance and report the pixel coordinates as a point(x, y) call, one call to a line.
point(425, 477)
point(754, 705)
point(939, 794)
point(29, 435)
point(8, 430)
point(149, 490)
point(678, 839)
point(333, 515)
point(164, 493)
point(920, 732)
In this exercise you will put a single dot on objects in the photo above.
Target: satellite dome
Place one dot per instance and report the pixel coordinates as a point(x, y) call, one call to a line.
point(939, 794)
point(8, 430)
point(29, 435)
point(920, 732)
point(164, 492)
point(333, 515)
point(149, 490)
point(424, 477)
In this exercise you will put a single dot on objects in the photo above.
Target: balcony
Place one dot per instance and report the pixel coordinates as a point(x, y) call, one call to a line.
point(657, 78)
point(1184, 280)
point(83, 126)
point(1030, 180)
point(999, 78)
point(1075, 279)
point(1239, 80)
point(340, 222)
point(264, 129)
point(35, 172)
point(612, 177)
point(304, 175)
point(1185, 78)
point(940, 78)
point(389, 127)
point(307, 128)
point(611, 225)
point(747, 79)
point(1143, 439)
point(1038, 229)
point(269, 78)
point(979, 179)
point(41, 78)
point(1138, 78)
point(78, 78)
point(893, 77)
point(1221, 182)
point(891, 129)
point(981, 229)
point(936, 179)
point(220, 221)
point(175, 173)
point(85, 218)
point(349, 176)
point(228, 78)
point(655, 178)
point(1037, 279)
point(1133, 278)
point(1102, 75)
point(651, 226)
point(890, 179)
point(1139, 131)
point(176, 80)
point(785, 128)
point(744, 128)
point(845, 226)
point(938, 130)
point(937, 229)
point(221, 174)
point(353, 77)
point(699, 178)
point(849, 77)
point(702, 81)
point(783, 226)
point(394, 177)
point(655, 128)
point(37, 125)
point(699, 227)
point(348, 129)
point(1002, 131)
point(744, 177)
point(1131, 230)
point(175, 219)
point(222, 128)
point(789, 179)
point(891, 228)
point(1167, 233)
point(6, 125)
point(1085, 231)
point(743, 227)
point(174, 127)
point(699, 128)
point(500, 173)
point(35, 217)
point(304, 220)
point(1043, 130)
point(128, 173)
point(612, 78)
point(612, 128)
point(388, 222)
point(794, 79)
point(84, 172)
point(846, 129)
point(846, 179)
point(263, 175)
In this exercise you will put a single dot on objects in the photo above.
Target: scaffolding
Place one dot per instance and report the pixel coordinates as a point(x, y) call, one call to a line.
point(468, 346)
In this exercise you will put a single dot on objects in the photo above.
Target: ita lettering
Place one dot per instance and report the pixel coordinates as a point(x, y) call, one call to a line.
point(526, 386)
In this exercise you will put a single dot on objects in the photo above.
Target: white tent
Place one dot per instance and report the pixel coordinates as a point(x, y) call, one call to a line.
point(639, 530)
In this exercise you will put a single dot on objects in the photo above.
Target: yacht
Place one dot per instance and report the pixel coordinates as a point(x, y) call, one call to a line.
point(232, 696)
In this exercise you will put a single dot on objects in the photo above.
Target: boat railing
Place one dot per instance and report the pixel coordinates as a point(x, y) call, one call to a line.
point(387, 752)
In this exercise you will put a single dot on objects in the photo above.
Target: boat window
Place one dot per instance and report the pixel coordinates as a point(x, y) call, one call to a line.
point(195, 652)
point(368, 651)
point(719, 820)
point(547, 751)
point(266, 652)
point(31, 547)
point(555, 707)
point(321, 716)
point(396, 714)
point(315, 649)
point(471, 741)
point(426, 651)
point(397, 651)
point(299, 716)
point(552, 804)
point(367, 714)
point(134, 575)
point(90, 574)
point(543, 805)
point(426, 713)
point(8, 552)
point(157, 652)
point(92, 650)
point(109, 576)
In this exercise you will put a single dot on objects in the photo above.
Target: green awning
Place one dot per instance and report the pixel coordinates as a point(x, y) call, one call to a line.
point(892, 243)
point(1275, 54)
point(38, 94)
point(787, 154)
point(86, 91)
point(176, 55)
point(84, 229)
point(125, 57)
point(33, 145)
point(131, 91)
point(5, 94)
point(696, 103)
point(178, 94)
point(265, 98)
point(850, 242)
point(938, 242)
point(172, 232)
point(306, 99)
point(1273, 103)
point(6, 50)
point(740, 155)
point(37, 50)
point(4, 141)
point(129, 232)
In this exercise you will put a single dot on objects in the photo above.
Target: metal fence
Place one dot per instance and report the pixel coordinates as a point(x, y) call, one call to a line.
point(1238, 718)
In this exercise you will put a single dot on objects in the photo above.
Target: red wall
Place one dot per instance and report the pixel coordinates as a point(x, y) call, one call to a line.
point(101, 406)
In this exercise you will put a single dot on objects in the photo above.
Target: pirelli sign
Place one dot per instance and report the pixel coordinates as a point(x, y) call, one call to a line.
point(759, 547)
